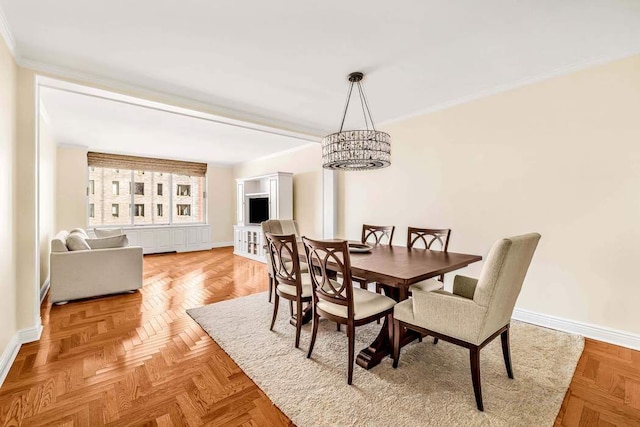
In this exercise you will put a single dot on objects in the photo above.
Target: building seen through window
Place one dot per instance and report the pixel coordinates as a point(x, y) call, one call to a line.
point(177, 199)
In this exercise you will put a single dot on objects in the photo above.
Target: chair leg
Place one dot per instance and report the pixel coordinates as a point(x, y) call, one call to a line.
point(506, 352)
point(338, 327)
point(291, 308)
point(351, 334)
point(270, 287)
point(276, 301)
point(363, 285)
point(314, 332)
point(298, 321)
point(397, 331)
point(474, 354)
point(378, 288)
point(435, 340)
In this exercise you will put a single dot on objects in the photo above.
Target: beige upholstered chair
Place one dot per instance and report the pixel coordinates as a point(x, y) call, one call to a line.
point(341, 302)
point(291, 284)
point(477, 311)
point(279, 226)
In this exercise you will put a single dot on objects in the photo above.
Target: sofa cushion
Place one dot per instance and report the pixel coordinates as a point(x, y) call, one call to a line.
point(77, 242)
point(59, 242)
point(107, 232)
point(80, 231)
point(120, 241)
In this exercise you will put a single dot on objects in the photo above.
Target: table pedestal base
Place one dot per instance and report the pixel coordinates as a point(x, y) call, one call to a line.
point(382, 346)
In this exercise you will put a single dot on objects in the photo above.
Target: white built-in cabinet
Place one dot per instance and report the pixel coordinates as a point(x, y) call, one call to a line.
point(278, 187)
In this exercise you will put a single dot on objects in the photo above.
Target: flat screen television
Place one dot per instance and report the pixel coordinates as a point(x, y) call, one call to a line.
point(258, 209)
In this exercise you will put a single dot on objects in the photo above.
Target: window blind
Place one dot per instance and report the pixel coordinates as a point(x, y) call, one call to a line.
point(118, 161)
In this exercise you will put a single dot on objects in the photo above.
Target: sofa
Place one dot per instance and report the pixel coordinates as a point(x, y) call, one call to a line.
point(82, 267)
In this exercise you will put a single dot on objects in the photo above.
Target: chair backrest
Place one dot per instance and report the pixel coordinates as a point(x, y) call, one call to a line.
point(321, 254)
point(284, 258)
point(280, 226)
point(431, 238)
point(377, 234)
point(501, 279)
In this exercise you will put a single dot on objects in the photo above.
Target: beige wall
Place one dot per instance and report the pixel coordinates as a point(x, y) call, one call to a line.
point(560, 157)
point(220, 206)
point(8, 141)
point(47, 195)
point(306, 166)
point(71, 188)
point(28, 292)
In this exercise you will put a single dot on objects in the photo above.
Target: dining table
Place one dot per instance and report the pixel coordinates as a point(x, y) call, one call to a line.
point(396, 268)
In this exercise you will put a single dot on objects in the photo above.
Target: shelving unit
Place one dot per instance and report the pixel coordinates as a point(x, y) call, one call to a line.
point(278, 187)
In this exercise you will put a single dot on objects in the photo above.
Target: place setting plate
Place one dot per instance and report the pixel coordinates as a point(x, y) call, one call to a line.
point(358, 247)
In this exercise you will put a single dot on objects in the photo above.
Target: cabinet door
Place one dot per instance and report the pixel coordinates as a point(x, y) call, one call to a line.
point(240, 203)
point(273, 198)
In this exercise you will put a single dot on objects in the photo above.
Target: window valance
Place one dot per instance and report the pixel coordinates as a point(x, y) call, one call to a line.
point(118, 161)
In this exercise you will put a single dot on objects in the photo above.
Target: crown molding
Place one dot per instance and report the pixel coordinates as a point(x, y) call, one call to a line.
point(166, 96)
point(507, 87)
point(5, 31)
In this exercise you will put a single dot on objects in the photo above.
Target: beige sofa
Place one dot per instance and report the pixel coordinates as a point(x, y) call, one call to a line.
point(77, 274)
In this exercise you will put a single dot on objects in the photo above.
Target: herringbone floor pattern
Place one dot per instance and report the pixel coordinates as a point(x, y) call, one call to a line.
point(139, 359)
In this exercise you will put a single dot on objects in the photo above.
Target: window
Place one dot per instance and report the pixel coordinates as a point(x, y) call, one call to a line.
point(184, 210)
point(92, 186)
point(184, 190)
point(149, 198)
point(139, 189)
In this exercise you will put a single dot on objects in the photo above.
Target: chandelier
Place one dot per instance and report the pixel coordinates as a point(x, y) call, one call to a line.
point(353, 150)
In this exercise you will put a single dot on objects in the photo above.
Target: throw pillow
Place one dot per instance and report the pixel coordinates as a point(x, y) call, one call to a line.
point(120, 241)
point(109, 232)
point(77, 242)
point(81, 231)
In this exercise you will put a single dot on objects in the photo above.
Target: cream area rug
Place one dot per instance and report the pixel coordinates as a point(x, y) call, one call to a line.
point(431, 386)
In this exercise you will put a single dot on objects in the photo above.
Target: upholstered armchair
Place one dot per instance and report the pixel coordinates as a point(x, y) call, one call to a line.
point(477, 311)
point(279, 226)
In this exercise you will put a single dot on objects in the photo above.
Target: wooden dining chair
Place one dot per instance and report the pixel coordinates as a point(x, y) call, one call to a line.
point(341, 302)
point(291, 283)
point(429, 238)
point(279, 226)
point(478, 310)
point(375, 235)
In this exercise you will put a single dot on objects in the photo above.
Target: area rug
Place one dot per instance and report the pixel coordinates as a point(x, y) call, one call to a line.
point(432, 385)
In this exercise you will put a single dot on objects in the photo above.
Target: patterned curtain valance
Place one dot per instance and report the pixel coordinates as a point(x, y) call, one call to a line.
point(118, 161)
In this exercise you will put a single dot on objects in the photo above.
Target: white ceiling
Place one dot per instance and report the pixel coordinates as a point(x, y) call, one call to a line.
point(285, 62)
point(112, 126)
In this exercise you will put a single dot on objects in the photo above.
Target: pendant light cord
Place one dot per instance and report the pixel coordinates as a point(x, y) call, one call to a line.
point(346, 106)
point(366, 111)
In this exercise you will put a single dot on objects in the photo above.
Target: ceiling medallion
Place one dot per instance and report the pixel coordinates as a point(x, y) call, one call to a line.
point(354, 150)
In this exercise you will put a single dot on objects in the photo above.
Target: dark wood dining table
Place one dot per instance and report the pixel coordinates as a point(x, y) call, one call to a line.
point(396, 268)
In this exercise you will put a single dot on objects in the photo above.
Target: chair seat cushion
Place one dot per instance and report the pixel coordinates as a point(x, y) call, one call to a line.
point(304, 268)
point(291, 290)
point(365, 304)
point(427, 285)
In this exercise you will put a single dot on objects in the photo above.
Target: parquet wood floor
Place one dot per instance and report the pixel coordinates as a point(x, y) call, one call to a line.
point(139, 359)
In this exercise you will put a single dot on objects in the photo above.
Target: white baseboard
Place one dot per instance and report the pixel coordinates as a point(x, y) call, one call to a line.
point(600, 333)
point(10, 352)
point(44, 289)
point(221, 244)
